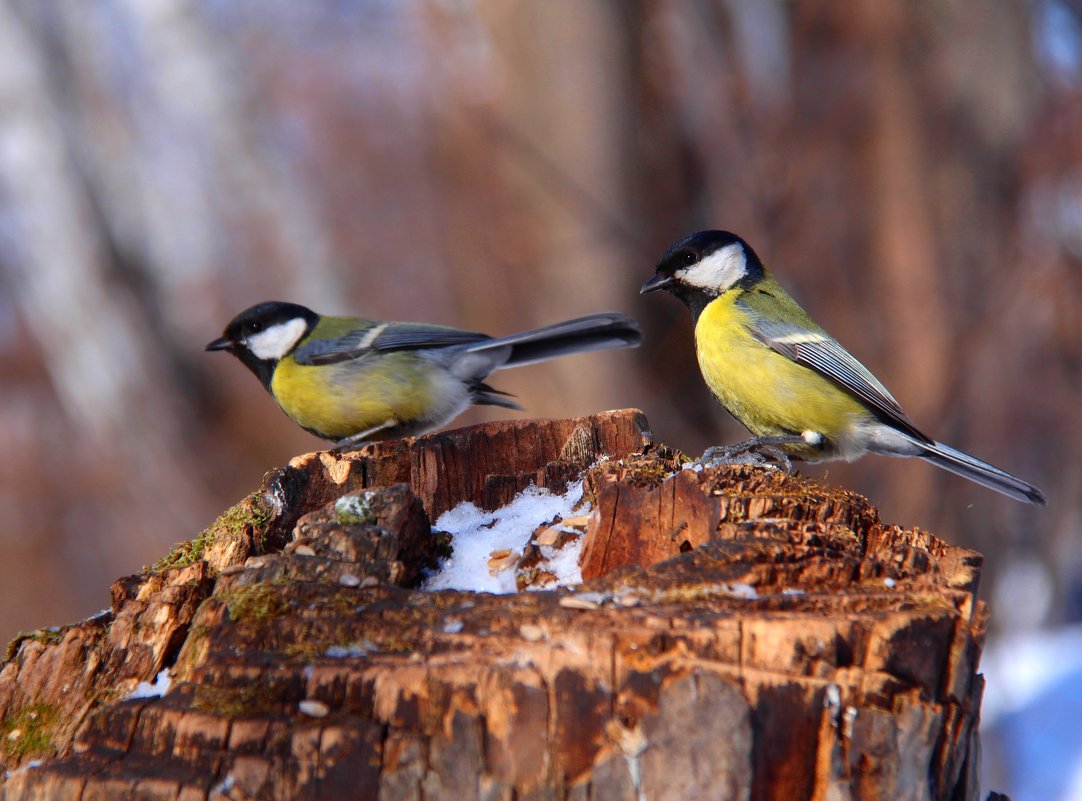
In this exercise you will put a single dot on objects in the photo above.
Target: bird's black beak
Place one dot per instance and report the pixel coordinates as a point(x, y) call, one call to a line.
point(656, 283)
point(221, 343)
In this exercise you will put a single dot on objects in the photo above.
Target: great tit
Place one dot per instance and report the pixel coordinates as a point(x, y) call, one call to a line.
point(350, 380)
point(785, 378)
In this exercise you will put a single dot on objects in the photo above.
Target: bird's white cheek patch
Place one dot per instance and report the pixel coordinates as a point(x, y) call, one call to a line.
point(278, 340)
point(720, 270)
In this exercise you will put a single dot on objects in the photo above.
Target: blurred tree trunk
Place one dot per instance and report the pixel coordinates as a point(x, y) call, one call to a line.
point(895, 165)
point(104, 360)
point(530, 144)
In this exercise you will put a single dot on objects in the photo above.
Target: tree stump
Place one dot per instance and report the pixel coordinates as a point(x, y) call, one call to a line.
point(739, 634)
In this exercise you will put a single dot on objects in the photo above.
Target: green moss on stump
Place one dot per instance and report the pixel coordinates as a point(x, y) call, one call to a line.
point(48, 636)
point(248, 518)
point(249, 700)
point(28, 733)
point(256, 602)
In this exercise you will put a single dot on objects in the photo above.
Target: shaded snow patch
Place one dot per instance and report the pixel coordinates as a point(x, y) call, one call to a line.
point(476, 535)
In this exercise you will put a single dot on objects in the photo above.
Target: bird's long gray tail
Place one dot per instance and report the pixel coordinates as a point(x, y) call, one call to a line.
point(981, 472)
point(581, 335)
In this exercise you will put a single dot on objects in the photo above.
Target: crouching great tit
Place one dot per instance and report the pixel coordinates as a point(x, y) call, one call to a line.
point(349, 380)
point(785, 378)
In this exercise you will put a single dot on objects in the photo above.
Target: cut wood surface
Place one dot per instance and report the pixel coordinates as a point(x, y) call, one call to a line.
point(740, 634)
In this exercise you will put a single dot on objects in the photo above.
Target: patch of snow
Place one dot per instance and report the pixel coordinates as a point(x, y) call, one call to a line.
point(1074, 782)
point(1020, 667)
point(353, 650)
point(741, 590)
point(156, 690)
point(313, 708)
point(224, 786)
point(889, 582)
point(564, 562)
point(832, 700)
point(476, 534)
point(1032, 705)
point(452, 627)
point(792, 591)
point(33, 763)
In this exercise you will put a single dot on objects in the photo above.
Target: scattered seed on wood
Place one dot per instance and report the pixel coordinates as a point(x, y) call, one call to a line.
point(548, 536)
point(581, 521)
point(575, 602)
point(298, 541)
point(501, 560)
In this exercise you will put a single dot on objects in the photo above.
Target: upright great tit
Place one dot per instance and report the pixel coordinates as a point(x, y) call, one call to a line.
point(785, 378)
point(349, 379)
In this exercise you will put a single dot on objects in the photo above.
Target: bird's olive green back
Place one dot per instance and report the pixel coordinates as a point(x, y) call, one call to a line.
point(767, 299)
point(334, 327)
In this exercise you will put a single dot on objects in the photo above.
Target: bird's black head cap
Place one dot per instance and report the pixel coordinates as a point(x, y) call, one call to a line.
point(704, 264)
point(262, 334)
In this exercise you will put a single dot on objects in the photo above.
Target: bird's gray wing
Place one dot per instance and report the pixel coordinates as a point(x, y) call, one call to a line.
point(820, 352)
point(418, 336)
point(382, 338)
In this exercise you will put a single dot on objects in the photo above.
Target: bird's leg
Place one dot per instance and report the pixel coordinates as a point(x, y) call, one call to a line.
point(359, 438)
point(757, 450)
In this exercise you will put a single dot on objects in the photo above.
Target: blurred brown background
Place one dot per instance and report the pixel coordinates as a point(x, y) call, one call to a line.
point(912, 170)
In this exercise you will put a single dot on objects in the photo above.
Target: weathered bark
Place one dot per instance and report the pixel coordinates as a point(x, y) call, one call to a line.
point(740, 634)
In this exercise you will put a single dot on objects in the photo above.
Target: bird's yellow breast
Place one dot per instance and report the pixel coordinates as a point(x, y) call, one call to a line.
point(338, 400)
point(767, 392)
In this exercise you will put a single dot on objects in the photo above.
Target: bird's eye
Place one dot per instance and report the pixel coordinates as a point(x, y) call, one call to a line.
point(252, 328)
point(690, 258)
